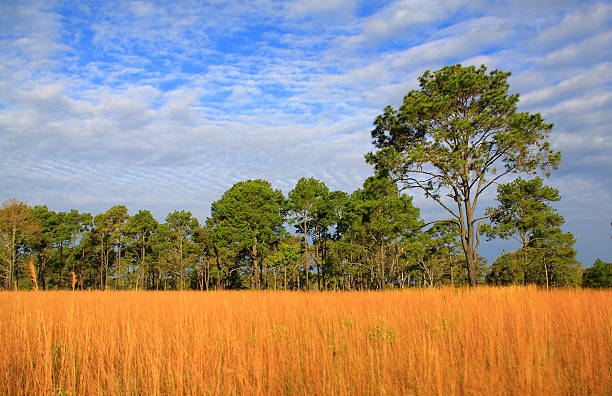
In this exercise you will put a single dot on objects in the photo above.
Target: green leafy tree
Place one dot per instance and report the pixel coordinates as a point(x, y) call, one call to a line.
point(67, 227)
point(249, 220)
point(43, 242)
point(555, 252)
point(509, 269)
point(455, 137)
point(139, 228)
point(109, 230)
point(213, 241)
point(433, 253)
point(523, 211)
point(549, 260)
point(205, 269)
point(302, 204)
point(326, 230)
point(525, 215)
point(17, 225)
point(117, 219)
point(379, 216)
point(85, 224)
point(85, 254)
point(283, 260)
point(182, 226)
point(163, 256)
point(598, 276)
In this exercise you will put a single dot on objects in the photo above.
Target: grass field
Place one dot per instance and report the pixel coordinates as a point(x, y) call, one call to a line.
point(439, 341)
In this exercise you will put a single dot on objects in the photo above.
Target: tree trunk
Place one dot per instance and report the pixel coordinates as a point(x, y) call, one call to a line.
point(61, 265)
point(119, 265)
point(382, 266)
point(255, 264)
point(144, 273)
point(467, 234)
point(181, 259)
point(13, 258)
point(545, 270)
point(306, 257)
point(41, 271)
point(101, 263)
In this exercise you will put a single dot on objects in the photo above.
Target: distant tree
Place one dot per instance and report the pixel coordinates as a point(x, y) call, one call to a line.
point(205, 268)
point(66, 230)
point(302, 203)
point(249, 220)
point(43, 242)
point(109, 230)
point(509, 269)
point(434, 253)
point(163, 256)
point(85, 254)
point(550, 260)
point(555, 252)
point(377, 217)
point(17, 224)
point(523, 211)
point(283, 260)
point(326, 231)
point(598, 276)
point(117, 218)
point(85, 225)
point(182, 226)
point(455, 137)
point(523, 214)
point(139, 228)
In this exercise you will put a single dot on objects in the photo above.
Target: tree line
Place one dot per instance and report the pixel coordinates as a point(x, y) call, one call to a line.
point(453, 139)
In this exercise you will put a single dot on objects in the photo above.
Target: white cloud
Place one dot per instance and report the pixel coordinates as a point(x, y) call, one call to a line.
point(399, 19)
point(593, 49)
point(575, 26)
point(589, 80)
point(320, 7)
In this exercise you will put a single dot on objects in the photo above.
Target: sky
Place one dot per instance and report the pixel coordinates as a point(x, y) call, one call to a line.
point(165, 105)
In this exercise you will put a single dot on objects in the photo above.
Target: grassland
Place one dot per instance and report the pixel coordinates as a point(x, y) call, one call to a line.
point(443, 341)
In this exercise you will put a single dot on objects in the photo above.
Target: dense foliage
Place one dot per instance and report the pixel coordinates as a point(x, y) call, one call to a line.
point(598, 276)
point(370, 239)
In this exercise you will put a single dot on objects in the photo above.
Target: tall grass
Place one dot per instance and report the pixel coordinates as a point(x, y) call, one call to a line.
point(445, 341)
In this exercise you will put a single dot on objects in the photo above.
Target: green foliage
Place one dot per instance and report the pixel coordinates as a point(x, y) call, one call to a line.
point(433, 256)
point(139, 229)
point(248, 219)
point(549, 262)
point(181, 226)
point(376, 218)
point(598, 276)
point(546, 256)
point(523, 211)
point(509, 269)
point(457, 135)
point(18, 225)
point(303, 201)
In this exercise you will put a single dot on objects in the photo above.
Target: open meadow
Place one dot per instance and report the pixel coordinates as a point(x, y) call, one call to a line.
point(429, 341)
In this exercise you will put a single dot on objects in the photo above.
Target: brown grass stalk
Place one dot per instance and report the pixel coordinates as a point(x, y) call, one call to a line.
point(33, 275)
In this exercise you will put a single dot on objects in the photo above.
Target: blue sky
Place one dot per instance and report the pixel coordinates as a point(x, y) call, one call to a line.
point(165, 105)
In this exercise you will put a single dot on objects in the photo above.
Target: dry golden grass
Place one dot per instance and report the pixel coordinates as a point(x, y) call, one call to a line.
point(483, 341)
